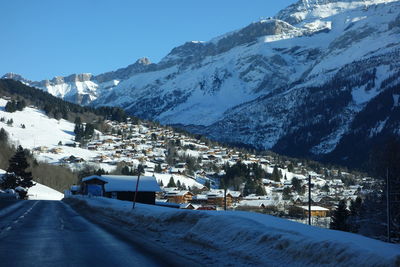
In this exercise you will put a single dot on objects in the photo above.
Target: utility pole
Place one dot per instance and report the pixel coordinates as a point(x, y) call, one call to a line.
point(388, 205)
point(139, 170)
point(225, 198)
point(309, 199)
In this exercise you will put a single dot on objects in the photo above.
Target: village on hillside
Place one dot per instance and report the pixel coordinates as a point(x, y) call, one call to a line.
point(189, 172)
point(192, 172)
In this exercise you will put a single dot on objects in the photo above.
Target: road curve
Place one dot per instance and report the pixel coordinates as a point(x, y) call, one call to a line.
point(50, 233)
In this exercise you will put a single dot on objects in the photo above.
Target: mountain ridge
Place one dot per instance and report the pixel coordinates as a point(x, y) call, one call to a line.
point(236, 87)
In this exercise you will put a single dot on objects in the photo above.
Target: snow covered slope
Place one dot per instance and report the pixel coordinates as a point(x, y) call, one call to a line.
point(42, 192)
point(296, 83)
point(248, 239)
point(31, 128)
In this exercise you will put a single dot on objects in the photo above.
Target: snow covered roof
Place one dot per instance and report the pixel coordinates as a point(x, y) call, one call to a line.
point(200, 197)
point(115, 183)
point(257, 202)
point(314, 208)
point(75, 187)
point(187, 205)
point(177, 193)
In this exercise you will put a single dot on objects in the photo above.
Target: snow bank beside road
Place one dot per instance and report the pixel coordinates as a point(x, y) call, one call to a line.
point(42, 192)
point(243, 238)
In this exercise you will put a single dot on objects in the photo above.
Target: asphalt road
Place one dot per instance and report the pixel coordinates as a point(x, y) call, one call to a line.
point(4, 203)
point(50, 233)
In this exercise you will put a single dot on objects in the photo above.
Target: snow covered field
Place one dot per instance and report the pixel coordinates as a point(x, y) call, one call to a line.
point(242, 238)
point(40, 130)
point(42, 192)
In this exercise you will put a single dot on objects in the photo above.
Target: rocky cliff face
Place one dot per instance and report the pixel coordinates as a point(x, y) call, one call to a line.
point(304, 83)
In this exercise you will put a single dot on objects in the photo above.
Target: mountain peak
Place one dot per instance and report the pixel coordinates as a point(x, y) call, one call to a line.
point(14, 76)
point(143, 61)
point(317, 9)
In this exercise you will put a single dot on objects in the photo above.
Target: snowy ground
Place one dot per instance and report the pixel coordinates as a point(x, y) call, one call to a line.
point(42, 192)
point(242, 238)
point(40, 130)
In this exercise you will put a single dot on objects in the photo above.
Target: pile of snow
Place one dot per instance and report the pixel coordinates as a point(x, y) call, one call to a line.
point(42, 192)
point(8, 194)
point(250, 238)
point(2, 172)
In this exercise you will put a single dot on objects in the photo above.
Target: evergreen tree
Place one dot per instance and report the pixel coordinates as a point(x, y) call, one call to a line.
point(207, 184)
point(9, 181)
point(158, 169)
point(13, 105)
point(78, 121)
point(126, 171)
point(296, 183)
point(287, 193)
point(355, 207)
point(100, 172)
point(56, 114)
point(275, 174)
point(260, 190)
point(184, 186)
point(290, 167)
point(354, 215)
point(250, 188)
point(3, 135)
point(139, 170)
point(339, 217)
point(17, 174)
point(178, 184)
point(171, 182)
point(79, 129)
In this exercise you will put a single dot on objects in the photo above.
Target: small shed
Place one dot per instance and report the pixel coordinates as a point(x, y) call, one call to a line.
point(75, 189)
point(93, 185)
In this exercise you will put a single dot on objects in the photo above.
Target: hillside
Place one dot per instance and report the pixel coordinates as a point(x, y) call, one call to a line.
point(327, 65)
point(188, 167)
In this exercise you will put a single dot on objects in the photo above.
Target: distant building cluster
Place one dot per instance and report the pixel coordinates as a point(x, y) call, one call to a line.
point(189, 172)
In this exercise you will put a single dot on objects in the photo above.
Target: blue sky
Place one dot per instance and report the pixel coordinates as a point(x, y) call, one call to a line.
point(44, 38)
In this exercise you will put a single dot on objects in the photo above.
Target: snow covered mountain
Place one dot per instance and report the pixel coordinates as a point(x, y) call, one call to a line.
point(83, 88)
point(320, 79)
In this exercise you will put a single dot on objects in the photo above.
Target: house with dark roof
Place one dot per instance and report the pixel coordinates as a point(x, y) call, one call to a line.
point(122, 187)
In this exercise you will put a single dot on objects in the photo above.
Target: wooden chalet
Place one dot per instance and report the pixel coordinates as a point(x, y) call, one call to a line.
point(179, 196)
point(200, 199)
point(316, 211)
point(216, 198)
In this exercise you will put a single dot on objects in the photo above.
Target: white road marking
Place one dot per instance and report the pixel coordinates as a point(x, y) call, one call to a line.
point(20, 217)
